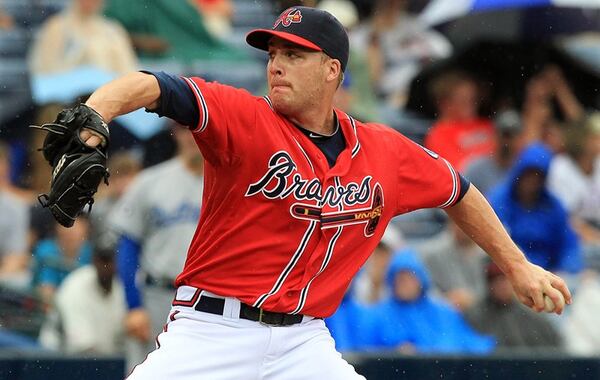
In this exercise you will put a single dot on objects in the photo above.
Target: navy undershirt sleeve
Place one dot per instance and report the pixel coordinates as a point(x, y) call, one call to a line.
point(128, 257)
point(177, 101)
point(464, 186)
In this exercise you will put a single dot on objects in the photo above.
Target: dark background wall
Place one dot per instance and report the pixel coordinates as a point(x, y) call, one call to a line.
point(372, 367)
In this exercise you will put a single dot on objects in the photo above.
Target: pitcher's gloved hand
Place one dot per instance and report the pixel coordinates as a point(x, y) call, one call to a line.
point(77, 168)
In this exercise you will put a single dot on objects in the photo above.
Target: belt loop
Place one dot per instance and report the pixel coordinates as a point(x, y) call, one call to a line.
point(260, 315)
point(200, 295)
point(231, 309)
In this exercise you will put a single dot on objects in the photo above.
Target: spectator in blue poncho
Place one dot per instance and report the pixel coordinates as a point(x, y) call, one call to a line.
point(351, 326)
point(534, 217)
point(412, 321)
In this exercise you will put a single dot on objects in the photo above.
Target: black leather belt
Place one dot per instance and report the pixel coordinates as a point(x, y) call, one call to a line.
point(217, 305)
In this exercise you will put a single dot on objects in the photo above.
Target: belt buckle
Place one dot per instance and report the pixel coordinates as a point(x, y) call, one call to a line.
point(261, 315)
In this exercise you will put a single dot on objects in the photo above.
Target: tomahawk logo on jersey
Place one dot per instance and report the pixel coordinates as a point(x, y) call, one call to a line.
point(283, 253)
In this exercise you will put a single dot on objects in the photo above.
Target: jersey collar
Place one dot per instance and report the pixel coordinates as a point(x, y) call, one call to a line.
point(320, 136)
point(348, 126)
point(343, 120)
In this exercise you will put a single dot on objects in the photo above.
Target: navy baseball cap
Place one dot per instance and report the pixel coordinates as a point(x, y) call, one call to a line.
point(308, 27)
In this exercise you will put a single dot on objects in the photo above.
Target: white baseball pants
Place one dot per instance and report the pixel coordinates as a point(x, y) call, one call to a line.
point(197, 345)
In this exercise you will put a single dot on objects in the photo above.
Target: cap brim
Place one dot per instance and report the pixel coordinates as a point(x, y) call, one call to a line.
point(259, 38)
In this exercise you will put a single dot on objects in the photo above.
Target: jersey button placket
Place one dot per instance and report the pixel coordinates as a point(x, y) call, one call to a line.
point(326, 210)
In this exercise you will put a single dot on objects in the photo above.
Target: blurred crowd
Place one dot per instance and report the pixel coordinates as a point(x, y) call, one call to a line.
point(105, 285)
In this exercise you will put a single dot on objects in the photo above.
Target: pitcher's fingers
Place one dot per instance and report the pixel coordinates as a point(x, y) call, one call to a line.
point(561, 285)
point(537, 296)
point(557, 298)
point(85, 134)
point(527, 301)
point(93, 141)
point(91, 138)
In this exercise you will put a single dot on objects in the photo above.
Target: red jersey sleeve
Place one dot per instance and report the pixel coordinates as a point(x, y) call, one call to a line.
point(425, 179)
point(225, 115)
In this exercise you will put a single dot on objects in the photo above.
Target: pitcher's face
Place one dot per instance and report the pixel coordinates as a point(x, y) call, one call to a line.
point(296, 76)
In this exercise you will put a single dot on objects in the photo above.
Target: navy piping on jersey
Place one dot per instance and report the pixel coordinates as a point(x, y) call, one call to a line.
point(305, 155)
point(324, 264)
point(200, 98)
point(290, 265)
point(266, 98)
point(455, 187)
point(326, 259)
point(357, 145)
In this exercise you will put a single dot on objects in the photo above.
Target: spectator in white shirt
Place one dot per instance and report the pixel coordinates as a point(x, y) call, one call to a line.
point(89, 310)
point(574, 177)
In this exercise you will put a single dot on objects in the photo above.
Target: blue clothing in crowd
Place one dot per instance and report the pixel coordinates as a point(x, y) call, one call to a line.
point(543, 231)
point(429, 325)
point(51, 267)
point(351, 326)
point(13, 340)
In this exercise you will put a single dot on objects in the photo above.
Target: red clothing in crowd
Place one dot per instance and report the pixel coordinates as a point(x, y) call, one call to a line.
point(461, 141)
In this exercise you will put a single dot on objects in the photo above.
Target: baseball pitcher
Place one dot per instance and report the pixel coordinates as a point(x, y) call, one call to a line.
point(297, 194)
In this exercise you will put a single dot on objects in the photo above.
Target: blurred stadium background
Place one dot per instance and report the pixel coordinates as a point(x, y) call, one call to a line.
point(507, 90)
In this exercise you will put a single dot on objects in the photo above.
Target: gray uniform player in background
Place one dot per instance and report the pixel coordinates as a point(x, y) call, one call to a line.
point(156, 219)
point(14, 222)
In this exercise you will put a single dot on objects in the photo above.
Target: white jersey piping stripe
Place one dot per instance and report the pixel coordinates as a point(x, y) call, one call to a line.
point(357, 145)
point(266, 98)
point(326, 261)
point(304, 153)
point(454, 186)
point(204, 114)
point(289, 267)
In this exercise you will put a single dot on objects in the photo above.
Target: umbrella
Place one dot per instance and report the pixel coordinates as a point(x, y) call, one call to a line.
point(440, 11)
point(505, 68)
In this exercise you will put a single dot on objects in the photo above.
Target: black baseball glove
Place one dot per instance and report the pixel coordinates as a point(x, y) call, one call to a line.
point(77, 168)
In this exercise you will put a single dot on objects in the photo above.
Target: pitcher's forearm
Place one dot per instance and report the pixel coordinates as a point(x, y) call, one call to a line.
point(125, 94)
point(474, 215)
point(531, 283)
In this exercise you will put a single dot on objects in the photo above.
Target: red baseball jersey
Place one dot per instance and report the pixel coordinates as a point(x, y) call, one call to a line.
point(279, 228)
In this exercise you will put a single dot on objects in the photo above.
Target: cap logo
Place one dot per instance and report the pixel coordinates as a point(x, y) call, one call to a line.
point(288, 17)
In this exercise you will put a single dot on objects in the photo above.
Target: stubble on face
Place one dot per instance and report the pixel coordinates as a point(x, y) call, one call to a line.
point(305, 86)
point(305, 95)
